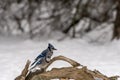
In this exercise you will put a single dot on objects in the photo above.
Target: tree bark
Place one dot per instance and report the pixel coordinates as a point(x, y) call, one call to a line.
point(70, 61)
point(66, 73)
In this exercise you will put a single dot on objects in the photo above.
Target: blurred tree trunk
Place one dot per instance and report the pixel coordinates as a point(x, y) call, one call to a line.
point(74, 21)
point(30, 14)
point(116, 32)
point(18, 20)
point(77, 17)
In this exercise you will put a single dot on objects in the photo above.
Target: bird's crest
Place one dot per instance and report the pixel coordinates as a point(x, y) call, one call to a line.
point(50, 46)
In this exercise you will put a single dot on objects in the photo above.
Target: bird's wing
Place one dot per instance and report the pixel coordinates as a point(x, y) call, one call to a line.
point(43, 54)
point(33, 63)
point(39, 61)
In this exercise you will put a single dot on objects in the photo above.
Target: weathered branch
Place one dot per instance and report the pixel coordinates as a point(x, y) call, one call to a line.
point(114, 77)
point(68, 72)
point(24, 72)
point(72, 62)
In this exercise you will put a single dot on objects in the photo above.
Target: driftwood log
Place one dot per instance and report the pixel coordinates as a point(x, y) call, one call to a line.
point(24, 72)
point(65, 73)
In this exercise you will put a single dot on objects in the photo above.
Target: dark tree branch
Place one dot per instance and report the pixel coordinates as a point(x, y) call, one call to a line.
point(116, 30)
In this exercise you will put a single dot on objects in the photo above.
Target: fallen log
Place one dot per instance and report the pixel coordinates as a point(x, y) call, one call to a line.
point(64, 73)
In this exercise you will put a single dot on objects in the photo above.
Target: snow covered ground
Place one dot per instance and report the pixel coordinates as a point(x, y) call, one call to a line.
point(15, 52)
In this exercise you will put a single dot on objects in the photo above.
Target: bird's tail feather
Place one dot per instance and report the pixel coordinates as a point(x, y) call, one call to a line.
point(32, 68)
point(33, 63)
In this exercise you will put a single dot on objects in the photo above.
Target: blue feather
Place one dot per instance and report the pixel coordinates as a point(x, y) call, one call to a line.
point(43, 54)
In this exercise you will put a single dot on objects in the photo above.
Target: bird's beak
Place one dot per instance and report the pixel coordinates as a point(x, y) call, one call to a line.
point(54, 49)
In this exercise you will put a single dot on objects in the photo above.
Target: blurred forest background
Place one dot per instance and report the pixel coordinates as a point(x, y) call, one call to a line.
point(87, 31)
point(93, 20)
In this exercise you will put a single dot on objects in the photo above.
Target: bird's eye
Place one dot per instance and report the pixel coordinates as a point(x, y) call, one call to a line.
point(48, 56)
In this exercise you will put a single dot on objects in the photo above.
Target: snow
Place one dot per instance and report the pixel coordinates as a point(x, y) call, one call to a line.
point(15, 52)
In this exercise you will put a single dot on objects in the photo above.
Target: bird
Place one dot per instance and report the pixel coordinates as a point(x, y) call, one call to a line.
point(42, 59)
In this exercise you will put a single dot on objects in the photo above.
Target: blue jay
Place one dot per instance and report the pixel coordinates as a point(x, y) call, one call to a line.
point(44, 58)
